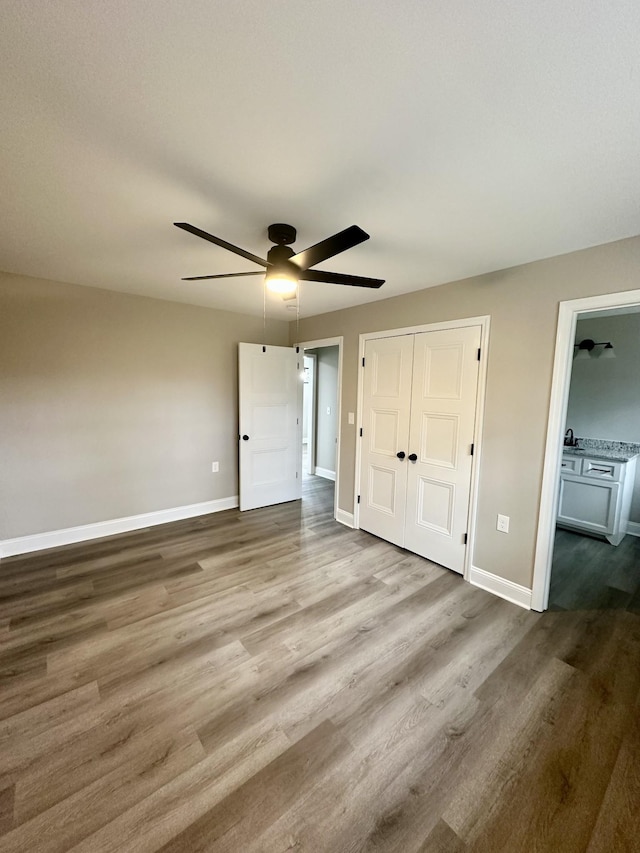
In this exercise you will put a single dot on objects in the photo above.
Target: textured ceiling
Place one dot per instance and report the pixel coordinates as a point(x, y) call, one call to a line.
point(465, 137)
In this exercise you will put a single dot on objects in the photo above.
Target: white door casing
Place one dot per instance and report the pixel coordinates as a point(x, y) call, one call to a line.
point(385, 432)
point(420, 397)
point(270, 415)
point(443, 406)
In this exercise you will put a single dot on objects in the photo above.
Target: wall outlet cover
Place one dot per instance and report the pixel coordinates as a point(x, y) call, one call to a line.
point(503, 523)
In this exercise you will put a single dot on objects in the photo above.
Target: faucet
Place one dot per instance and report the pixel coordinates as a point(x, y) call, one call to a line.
point(569, 440)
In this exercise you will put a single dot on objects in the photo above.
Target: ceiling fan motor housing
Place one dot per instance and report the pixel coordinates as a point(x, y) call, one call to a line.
point(278, 259)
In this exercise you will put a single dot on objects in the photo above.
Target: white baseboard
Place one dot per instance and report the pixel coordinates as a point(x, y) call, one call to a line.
point(324, 472)
point(55, 538)
point(633, 528)
point(509, 590)
point(344, 517)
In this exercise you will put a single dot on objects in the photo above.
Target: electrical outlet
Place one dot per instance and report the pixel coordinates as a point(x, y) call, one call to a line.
point(503, 523)
point(328, 410)
point(215, 467)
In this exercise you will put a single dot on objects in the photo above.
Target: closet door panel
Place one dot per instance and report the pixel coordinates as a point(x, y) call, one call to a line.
point(443, 404)
point(385, 425)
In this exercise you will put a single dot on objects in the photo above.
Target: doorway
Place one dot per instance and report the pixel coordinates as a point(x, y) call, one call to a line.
point(603, 418)
point(596, 554)
point(322, 383)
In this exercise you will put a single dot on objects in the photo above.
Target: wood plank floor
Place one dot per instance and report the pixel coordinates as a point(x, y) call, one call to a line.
point(589, 573)
point(273, 682)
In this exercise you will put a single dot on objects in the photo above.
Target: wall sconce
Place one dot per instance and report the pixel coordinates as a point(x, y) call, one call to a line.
point(587, 349)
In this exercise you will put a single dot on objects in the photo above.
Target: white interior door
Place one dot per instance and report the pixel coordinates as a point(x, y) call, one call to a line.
point(385, 433)
point(270, 418)
point(443, 406)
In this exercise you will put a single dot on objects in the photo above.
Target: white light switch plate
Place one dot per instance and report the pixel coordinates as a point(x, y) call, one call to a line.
point(352, 418)
point(215, 467)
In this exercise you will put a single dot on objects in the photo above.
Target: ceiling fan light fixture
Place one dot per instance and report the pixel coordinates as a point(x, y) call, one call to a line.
point(281, 283)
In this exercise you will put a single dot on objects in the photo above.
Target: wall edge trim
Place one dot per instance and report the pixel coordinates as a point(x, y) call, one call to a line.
point(510, 591)
point(633, 528)
point(325, 472)
point(344, 517)
point(111, 527)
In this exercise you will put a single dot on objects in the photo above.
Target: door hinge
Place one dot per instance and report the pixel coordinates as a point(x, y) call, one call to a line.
point(478, 353)
point(296, 475)
point(297, 349)
point(471, 451)
point(363, 362)
point(360, 432)
point(464, 539)
point(358, 498)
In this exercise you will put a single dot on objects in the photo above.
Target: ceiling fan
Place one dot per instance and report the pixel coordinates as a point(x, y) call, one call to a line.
point(283, 267)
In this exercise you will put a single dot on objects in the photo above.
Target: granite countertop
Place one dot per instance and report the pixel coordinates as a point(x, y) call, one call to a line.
point(612, 451)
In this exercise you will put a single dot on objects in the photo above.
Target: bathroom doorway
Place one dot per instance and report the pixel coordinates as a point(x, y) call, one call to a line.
point(594, 547)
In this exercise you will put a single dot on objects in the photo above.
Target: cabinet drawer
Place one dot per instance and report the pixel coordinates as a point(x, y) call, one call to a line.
point(597, 469)
point(570, 465)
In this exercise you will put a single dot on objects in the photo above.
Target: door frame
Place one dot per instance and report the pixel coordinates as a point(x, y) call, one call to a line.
point(568, 313)
point(319, 344)
point(484, 322)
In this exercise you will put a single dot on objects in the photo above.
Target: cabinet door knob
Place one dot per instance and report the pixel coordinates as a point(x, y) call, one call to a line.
point(245, 438)
point(413, 457)
point(401, 454)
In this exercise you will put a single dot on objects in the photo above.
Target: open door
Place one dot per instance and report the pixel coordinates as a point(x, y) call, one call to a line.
point(270, 417)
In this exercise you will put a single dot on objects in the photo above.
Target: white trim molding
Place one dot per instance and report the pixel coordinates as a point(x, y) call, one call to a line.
point(324, 472)
point(85, 532)
point(344, 517)
point(633, 528)
point(568, 313)
point(508, 590)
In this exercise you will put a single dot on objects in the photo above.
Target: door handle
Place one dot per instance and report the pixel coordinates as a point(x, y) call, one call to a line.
point(401, 454)
point(245, 438)
point(413, 457)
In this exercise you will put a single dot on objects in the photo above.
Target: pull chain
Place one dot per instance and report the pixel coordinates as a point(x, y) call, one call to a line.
point(264, 313)
point(298, 314)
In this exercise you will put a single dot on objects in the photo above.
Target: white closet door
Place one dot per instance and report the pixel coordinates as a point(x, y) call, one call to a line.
point(443, 405)
point(386, 409)
point(270, 397)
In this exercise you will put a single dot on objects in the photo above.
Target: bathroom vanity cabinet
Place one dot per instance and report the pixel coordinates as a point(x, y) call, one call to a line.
point(595, 495)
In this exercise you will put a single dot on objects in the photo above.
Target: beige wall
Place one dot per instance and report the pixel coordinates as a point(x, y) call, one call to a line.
point(113, 405)
point(523, 305)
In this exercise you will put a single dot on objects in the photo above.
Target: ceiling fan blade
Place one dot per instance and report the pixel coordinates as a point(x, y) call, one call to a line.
point(222, 275)
point(340, 278)
point(326, 249)
point(218, 242)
